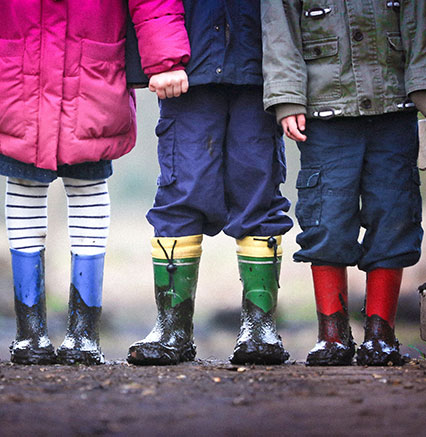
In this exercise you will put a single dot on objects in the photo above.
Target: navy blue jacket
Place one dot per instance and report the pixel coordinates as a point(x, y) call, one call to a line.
point(225, 37)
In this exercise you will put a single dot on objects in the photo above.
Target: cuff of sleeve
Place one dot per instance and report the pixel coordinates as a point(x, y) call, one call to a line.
point(419, 99)
point(285, 109)
point(174, 68)
point(282, 92)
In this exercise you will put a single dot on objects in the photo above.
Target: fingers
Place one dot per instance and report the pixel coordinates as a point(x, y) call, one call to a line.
point(185, 84)
point(169, 84)
point(155, 87)
point(161, 93)
point(292, 125)
point(301, 122)
point(169, 90)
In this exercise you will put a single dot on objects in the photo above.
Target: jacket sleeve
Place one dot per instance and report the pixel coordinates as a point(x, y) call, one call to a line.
point(284, 69)
point(413, 24)
point(162, 39)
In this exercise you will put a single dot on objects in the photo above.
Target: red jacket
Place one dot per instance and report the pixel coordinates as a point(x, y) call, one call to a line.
point(63, 94)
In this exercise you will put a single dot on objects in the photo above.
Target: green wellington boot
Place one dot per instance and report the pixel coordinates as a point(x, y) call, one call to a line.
point(258, 342)
point(171, 339)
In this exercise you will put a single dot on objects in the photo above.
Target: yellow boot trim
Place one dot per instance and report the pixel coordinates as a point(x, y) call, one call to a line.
point(257, 247)
point(186, 247)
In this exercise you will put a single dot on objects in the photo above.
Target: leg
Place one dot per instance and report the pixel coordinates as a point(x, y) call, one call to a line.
point(391, 214)
point(26, 219)
point(176, 262)
point(189, 203)
point(380, 346)
point(88, 223)
point(254, 170)
point(258, 342)
point(328, 213)
point(335, 345)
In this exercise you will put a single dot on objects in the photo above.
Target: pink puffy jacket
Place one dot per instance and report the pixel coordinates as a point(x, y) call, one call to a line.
point(63, 94)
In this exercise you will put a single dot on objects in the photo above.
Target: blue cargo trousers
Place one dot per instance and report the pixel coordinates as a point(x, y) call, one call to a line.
point(360, 172)
point(222, 161)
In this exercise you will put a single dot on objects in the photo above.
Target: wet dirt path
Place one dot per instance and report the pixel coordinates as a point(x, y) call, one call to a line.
point(212, 398)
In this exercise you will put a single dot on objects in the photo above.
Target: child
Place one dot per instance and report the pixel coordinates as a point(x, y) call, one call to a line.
point(65, 112)
point(348, 67)
point(222, 161)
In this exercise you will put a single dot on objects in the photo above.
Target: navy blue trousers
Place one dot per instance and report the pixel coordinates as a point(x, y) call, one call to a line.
point(222, 162)
point(360, 173)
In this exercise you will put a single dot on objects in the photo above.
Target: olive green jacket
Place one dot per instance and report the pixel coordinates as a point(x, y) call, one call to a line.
point(343, 57)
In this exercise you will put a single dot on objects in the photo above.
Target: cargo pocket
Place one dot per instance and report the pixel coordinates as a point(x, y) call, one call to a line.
point(395, 64)
point(416, 197)
point(165, 132)
point(104, 102)
point(323, 66)
point(308, 207)
point(12, 106)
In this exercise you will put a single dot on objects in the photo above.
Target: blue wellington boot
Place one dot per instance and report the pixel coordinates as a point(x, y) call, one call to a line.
point(32, 344)
point(81, 344)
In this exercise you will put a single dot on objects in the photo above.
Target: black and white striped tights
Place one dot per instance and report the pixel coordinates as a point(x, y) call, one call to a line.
point(88, 214)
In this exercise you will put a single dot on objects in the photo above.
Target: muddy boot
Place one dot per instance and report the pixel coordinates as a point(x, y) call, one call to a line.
point(335, 346)
point(81, 344)
point(176, 262)
point(32, 344)
point(380, 346)
point(259, 260)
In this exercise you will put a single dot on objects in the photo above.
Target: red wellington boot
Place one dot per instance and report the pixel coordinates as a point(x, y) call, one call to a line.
point(335, 346)
point(380, 346)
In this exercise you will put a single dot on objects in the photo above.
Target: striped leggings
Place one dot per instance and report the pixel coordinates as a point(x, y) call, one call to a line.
point(88, 215)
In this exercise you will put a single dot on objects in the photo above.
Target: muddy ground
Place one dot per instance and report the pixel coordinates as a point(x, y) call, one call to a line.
point(212, 398)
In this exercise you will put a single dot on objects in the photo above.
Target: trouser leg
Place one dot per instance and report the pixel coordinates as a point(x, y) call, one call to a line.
point(190, 194)
point(254, 168)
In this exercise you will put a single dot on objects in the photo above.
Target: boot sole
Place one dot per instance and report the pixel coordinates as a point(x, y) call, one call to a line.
point(331, 357)
point(33, 356)
point(264, 354)
point(156, 354)
point(367, 357)
point(74, 356)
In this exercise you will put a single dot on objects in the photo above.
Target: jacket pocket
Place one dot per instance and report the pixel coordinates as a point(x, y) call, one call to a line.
point(395, 62)
point(12, 106)
point(308, 206)
point(323, 66)
point(103, 108)
point(165, 132)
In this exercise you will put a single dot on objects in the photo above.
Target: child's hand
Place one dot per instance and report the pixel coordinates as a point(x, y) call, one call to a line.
point(293, 126)
point(169, 84)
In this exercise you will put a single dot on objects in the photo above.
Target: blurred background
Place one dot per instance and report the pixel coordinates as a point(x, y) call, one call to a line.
point(128, 303)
